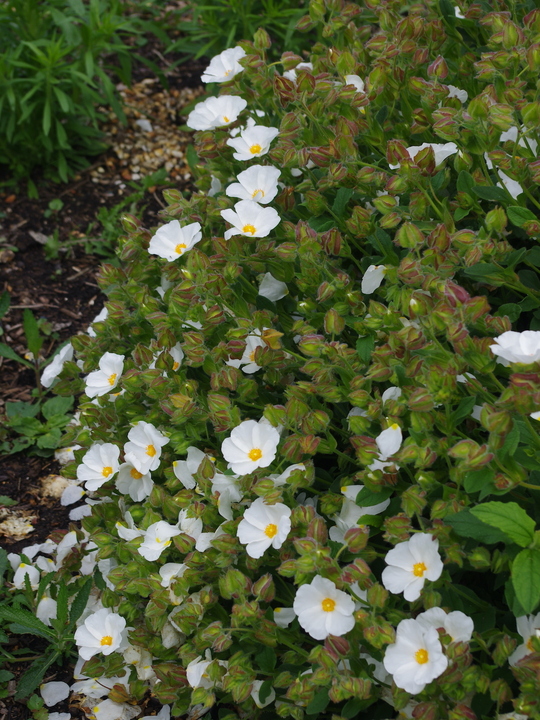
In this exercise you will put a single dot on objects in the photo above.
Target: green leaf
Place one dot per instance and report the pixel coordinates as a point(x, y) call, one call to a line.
point(31, 331)
point(62, 604)
point(465, 183)
point(519, 215)
point(15, 410)
point(365, 347)
point(79, 603)
point(50, 440)
point(192, 158)
point(267, 660)
point(467, 525)
point(3, 563)
point(5, 675)
point(319, 703)
point(4, 303)
point(482, 271)
point(511, 310)
point(475, 480)
point(464, 409)
point(265, 690)
point(58, 405)
point(367, 498)
point(33, 676)
point(343, 196)
point(5, 501)
point(488, 192)
point(526, 578)
point(460, 213)
point(511, 442)
point(510, 518)
point(24, 622)
point(9, 354)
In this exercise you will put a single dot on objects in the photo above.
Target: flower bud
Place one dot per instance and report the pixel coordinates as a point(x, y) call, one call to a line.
point(438, 68)
point(356, 538)
point(264, 589)
point(409, 236)
point(385, 203)
point(480, 558)
point(379, 633)
point(390, 220)
point(332, 241)
point(426, 711)
point(503, 649)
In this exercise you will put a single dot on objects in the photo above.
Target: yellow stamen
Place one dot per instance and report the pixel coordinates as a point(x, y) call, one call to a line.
point(227, 73)
point(135, 474)
point(150, 450)
point(106, 640)
point(176, 365)
point(419, 569)
point(529, 644)
point(226, 118)
point(249, 229)
point(328, 605)
point(394, 426)
point(112, 379)
point(270, 530)
point(254, 149)
point(252, 356)
point(254, 193)
point(255, 454)
point(107, 471)
point(421, 656)
point(180, 248)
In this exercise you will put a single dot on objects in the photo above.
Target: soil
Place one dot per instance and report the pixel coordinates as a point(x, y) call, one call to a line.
point(60, 287)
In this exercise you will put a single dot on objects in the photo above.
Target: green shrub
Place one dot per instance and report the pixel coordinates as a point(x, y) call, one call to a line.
point(338, 439)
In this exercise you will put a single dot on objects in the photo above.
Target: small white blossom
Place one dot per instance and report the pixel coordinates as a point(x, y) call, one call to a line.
point(54, 368)
point(263, 526)
point(172, 240)
point(229, 492)
point(355, 80)
point(458, 13)
point(257, 183)
point(291, 74)
point(255, 689)
point(26, 571)
point(216, 112)
point(518, 347)
point(100, 317)
point(416, 658)
point(157, 538)
point(196, 671)
point(72, 493)
point(389, 441)
point(528, 626)
point(225, 66)
point(171, 571)
point(134, 483)
point(250, 219)
point(351, 513)
point(46, 610)
point(102, 381)
point(98, 465)
point(186, 469)
point(282, 478)
point(253, 142)
point(143, 450)
point(102, 632)
point(456, 624)
point(272, 289)
point(323, 610)
point(461, 95)
point(410, 564)
point(391, 393)
point(283, 616)
point(128, 531)
point(372, 279)
point(53, 692)
point(247, 361)
point(251, 445)
point(440, 150)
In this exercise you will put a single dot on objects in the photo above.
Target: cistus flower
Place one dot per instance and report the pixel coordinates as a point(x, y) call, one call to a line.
point(229, 492)
point(54, 368)
point(196, 671)
point(517, 347)
point(253, 142)
point(216, 112)
point(257, 183)
point(157, 538)
point(171, 571)
point(528, 626)
point(134, 483)
point(388, 443)
point(24, 570)
point(102, 381)
point(102, 632)
point(291, 74)
point(372, 279)
point(98, 465)
point(225, 66)
point(272, 289)
point(251, 445)
point(247, 361)
point(172, 240)
point(53, 692)
point(323, 610)
point(456, 624)
point(143, 450)
point(416, 658)
point(440, 150)
point(102, 315)
point(461, 95)
point(410, 564)
point(356, 81)
point(250, 219)
point(186, 469)
point(263, 526)
point(283, 616)
point(512, 186)
point(351, 513)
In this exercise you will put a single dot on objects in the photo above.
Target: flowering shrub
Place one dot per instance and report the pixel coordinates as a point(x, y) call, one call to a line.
point(310, 457)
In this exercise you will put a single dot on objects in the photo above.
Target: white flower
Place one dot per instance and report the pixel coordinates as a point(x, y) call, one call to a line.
point(46, 610)
point(128, 531)
point(143, 450)
point(72, 493)
point(66, 455)
point(196, 671)
point(255, 689)
point(410, 564)
point(391, 393)
point(156, 539)
point(247, 361)
point(141, 659)
point(416, 658)
point(102, 632)
point(225, 66)
point(172, 240)
point(60, 716)
point(282, 478)
point(528, 626)
point(272, 289)
point(389, 441)
point(461, 95)
point(535, 415)
point(351, 513)
point(229, 492)
point(102, 315)
point(356, 81)
point(186, 469)
point(110, 710)
point(170, 571)
point(372, 279)
point(250, 219)
point(440, 150)
point(251, 445)
point(215, 112)
point(191, 526)
point(283, 616)
point(458, 13)
point(215, 186)
point(512, 134)
point(322, 609)
point(98, 465)
point(53, 692)
point(518, 347)
point(163, 714)
point(26, 571)
point(102, 381)
point(263, 526)
point(291, 74)
point(134, 483)
point(54, 368)
point(456, 624)
point(252, 142)
point(257, 183)
point(513, 187)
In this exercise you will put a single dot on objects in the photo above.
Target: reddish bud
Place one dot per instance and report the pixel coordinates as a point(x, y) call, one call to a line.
point(438, 68)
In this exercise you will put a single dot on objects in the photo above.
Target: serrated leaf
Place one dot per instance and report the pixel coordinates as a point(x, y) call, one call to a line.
point(79, 603)
point(33, 676)
point(510, 518)
point(24, 622)
point(467, 525)
point(518, 215)
point(9, 354)
point(34, 339)
point(526, 578)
